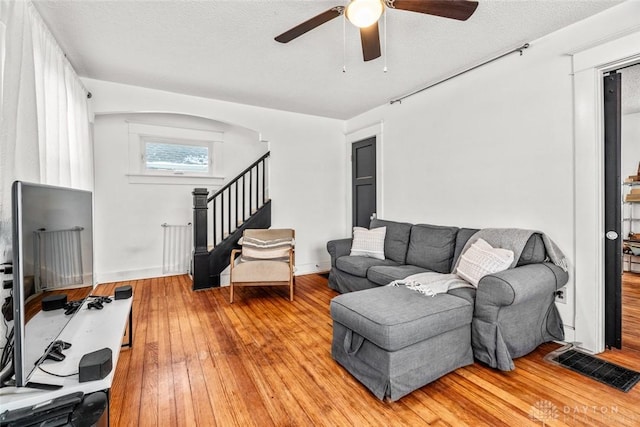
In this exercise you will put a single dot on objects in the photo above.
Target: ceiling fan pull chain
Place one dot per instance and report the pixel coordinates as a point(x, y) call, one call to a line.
point(344, 44)
point(385, 44)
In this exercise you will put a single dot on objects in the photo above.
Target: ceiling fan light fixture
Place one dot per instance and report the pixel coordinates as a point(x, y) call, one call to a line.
point(364, 13)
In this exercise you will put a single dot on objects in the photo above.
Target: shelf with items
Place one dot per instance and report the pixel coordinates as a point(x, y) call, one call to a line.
point(631, 221)
point(633, 193)
point(630, 215)
point(630, 262)
point(631, 224)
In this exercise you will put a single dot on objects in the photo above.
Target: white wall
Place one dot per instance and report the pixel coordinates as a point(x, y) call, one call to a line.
point(305, 185)
point(495, 147)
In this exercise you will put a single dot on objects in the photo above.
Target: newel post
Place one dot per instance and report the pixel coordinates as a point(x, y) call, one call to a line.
point(200, 251)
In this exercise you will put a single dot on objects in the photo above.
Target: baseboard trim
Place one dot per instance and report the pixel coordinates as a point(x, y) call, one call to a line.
point(128, 275)
point(312, 268)
point(147, 273)
point(569, 335)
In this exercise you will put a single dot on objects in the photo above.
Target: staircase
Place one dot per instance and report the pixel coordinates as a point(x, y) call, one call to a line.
point(242, 203)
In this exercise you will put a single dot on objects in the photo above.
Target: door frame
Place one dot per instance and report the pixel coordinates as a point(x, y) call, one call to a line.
point(589, 67)
point(612, 93)
point(374, 130)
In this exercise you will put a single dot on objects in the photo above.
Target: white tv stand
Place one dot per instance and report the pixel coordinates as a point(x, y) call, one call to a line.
point(89, 330)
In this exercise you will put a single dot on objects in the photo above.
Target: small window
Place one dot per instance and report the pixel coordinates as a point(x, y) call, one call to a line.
point(176, 157)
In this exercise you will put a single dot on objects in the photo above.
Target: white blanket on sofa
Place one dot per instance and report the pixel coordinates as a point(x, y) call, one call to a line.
point(431, 283)
point(515, 239)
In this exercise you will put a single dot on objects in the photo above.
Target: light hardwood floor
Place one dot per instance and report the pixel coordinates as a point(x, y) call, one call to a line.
point(199, 361)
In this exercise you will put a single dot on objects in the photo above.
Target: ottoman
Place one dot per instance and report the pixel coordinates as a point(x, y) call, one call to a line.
point(395, 340)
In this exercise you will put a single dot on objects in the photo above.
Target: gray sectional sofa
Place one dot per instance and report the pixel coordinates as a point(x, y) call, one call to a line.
point(395, 340)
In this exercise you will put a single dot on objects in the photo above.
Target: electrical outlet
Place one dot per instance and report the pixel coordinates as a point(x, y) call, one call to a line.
point(561, 295)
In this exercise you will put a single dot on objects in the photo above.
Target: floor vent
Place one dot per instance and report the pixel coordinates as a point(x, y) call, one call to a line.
point(600, 370)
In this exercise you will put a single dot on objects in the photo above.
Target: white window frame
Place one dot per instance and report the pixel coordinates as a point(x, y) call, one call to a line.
point(141, 133)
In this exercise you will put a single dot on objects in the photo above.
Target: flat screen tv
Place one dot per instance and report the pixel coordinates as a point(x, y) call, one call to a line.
point(52, 254)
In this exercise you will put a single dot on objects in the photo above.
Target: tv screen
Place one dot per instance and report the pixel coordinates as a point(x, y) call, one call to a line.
point(53, 254)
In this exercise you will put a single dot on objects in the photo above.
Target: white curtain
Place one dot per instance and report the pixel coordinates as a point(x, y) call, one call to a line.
point(63, 118)
point(45, 134)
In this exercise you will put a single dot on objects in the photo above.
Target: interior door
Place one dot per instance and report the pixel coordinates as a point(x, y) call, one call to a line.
point(363, 181)
point(613, 208)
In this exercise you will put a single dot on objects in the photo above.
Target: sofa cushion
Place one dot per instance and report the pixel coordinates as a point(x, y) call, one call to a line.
point(358, 265)
point(533, 251)
point(396, 240)
point(432, 247)
point(395, 317)
point(384, 274)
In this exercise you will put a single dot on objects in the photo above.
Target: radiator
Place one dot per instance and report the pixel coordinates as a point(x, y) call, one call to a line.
point(57, 258)
point(177, 246)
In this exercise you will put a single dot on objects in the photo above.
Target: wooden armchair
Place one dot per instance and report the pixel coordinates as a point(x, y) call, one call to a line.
point(267, 259)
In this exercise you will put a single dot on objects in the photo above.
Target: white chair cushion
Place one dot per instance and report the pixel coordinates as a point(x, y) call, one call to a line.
point(261, 271)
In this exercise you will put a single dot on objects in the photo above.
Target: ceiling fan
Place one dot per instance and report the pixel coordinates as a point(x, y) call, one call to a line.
point(365, 14)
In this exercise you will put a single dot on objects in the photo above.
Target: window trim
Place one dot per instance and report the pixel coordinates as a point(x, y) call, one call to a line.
point(140, 132)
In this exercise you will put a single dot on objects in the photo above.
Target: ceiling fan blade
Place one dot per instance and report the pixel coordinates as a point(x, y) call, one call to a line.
point(454, 9)
point(310, 24)
point(370, 37)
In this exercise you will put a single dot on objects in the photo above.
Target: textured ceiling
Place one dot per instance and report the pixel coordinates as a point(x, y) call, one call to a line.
point(225, 49)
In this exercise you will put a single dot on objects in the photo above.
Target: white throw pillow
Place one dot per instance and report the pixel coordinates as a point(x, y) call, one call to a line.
point(369, 243)
point(481, 259)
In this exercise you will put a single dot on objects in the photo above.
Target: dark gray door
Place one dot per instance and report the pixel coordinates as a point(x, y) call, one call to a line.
point(613, 207)
point(363, 181)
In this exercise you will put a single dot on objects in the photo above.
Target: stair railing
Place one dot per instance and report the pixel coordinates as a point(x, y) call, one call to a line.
point(231, 207)
point(234, 203)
